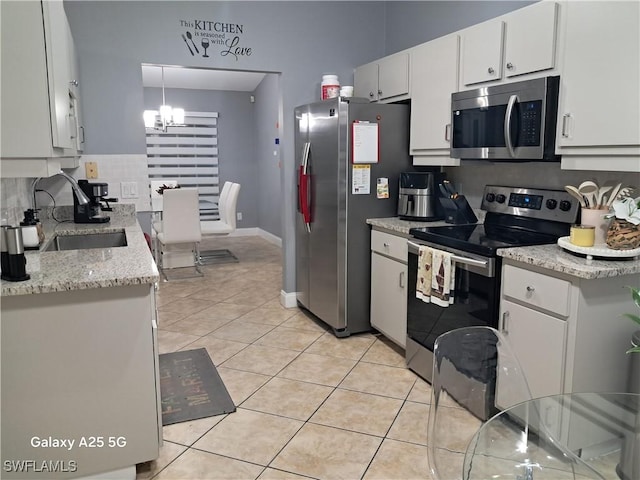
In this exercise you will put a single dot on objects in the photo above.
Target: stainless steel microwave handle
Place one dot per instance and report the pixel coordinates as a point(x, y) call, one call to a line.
point(458, 259)
point(507, 124)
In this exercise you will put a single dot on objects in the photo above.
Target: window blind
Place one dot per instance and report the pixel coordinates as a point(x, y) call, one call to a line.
point(188, 154)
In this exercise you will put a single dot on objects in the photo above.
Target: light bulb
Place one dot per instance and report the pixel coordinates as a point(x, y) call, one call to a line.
point(150, 118)
point(178, 116)
point(165, 113)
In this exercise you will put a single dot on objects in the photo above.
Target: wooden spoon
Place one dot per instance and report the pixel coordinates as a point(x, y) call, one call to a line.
point(599, 197)
point(589, 190)
point(614, 194)
point(573, 191)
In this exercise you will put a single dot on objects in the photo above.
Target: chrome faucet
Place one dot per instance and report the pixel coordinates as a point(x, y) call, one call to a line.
point(82, 197)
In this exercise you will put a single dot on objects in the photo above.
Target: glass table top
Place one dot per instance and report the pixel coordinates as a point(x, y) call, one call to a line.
point(572, 436)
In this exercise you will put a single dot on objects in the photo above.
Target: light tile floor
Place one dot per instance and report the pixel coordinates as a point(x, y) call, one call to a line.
point(309, 405)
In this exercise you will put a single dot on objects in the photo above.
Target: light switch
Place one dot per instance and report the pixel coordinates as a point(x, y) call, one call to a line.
point(128, 189)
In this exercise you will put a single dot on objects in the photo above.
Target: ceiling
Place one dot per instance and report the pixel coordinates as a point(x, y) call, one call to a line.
point(200, 78)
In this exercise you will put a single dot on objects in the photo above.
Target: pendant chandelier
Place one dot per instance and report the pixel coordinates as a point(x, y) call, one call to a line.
point(166, 116)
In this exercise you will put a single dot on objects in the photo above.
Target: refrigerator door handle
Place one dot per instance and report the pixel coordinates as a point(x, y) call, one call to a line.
point(303, 186)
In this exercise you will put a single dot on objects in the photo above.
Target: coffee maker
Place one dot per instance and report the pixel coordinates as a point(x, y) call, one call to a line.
point(418, 196)
point(92, 211)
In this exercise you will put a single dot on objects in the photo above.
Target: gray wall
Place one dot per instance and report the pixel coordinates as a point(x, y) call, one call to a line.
point(302, 40)
point(236, 138)
point(268, 155)
point(411, 23)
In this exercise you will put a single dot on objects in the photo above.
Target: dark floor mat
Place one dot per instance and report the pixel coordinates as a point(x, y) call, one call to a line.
point(191, 387)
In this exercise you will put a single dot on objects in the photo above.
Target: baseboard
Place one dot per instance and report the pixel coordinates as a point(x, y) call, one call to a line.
point(288, 299)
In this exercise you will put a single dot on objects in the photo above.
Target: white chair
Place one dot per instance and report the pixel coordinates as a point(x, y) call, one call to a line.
point(226, 225)
point(180, 224)
point(156, 198)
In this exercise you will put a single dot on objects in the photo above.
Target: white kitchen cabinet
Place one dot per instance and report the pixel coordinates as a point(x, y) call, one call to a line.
point(434, 77)
point(481, 59)
point(527, 329)
point(389, 286)
point(527, 37)
point(598, 121)
point(76, 364)
point(37, 112)
point(384, 80)
point(570, 336)
point(568, 332)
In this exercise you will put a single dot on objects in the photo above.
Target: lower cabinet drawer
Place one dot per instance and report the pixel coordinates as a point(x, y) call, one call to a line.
point(391, 245)
point(536, 289)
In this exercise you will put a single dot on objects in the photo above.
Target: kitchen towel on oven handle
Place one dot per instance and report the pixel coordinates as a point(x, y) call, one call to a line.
point(436, 276)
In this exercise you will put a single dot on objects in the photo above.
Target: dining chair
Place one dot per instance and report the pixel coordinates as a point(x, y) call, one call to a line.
point(476, 375)
point(180, 225)
point(226, 225)
point(156, 197)
point(468, 363)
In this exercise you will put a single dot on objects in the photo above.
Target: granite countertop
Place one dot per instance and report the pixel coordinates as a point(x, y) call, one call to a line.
point(90, 268)
point(550, 257)
point(554, 258)
point(395, 224)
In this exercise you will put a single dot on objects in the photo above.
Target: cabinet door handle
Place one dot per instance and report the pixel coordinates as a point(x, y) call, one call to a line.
point(401, 280)
point(379, 92)
point(530, 289)
point(565, 125)
point(490, 70)
point(510, 66)
point(385, 245)
point(505, 323)
point(74, 83)
point(447, 132)
point(371, 94)
point(82, 132)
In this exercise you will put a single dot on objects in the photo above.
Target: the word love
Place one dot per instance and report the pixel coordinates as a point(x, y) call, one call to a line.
point(233, 48)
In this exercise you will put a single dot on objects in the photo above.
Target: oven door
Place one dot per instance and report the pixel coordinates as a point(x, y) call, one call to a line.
point(476, 303)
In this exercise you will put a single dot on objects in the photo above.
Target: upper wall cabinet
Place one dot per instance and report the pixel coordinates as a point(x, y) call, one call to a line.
point(527, 37)
point(599, 124)
point(40, 101)
point(434, 77)
point(386, 80)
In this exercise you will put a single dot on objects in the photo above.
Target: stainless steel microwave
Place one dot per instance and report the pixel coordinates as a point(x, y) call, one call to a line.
point(514, 121)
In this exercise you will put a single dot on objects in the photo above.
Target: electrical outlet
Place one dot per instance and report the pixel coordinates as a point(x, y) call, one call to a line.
point(239, 215)
point(91, 169)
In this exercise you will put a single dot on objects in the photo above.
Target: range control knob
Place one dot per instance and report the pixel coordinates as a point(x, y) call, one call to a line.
point(565, 205)
point(551, 204)
point(490, 197)
point(500, 198)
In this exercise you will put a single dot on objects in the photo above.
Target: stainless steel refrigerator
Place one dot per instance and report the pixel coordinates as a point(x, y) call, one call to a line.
point(348, 150)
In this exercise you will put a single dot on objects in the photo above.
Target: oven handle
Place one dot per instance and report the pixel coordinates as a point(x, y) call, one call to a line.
point(459, 259)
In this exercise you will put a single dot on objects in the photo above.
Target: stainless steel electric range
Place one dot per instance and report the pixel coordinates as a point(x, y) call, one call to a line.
point(515, 217)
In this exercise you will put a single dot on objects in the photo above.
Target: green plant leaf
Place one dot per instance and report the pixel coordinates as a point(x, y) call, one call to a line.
point(634, 350)
point(635, 294)
point(633, 317)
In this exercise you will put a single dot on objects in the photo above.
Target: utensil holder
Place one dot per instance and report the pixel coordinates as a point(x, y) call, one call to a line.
point(595, 218)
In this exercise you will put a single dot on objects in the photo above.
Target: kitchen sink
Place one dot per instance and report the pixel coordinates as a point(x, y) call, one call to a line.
point(89, 240)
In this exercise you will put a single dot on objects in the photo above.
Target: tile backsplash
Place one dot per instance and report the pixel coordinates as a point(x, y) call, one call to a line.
point(112, 169)
point(471, 177)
